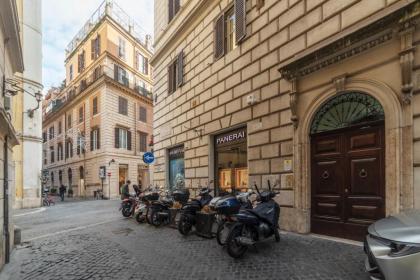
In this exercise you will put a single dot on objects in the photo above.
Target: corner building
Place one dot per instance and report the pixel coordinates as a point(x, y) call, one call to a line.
point(320, 95)
point(100, 120)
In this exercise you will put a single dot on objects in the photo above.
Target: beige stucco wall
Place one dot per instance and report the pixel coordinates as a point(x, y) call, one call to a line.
point(213, 97)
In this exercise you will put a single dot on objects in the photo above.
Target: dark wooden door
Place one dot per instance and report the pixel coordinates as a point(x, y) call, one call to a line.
point(348, 183)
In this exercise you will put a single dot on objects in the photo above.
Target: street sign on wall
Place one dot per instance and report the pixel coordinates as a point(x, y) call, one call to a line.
point(148, 157)
point(102, 172)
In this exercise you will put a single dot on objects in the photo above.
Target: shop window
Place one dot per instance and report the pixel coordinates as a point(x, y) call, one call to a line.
point(231, 161)
point(176, 167)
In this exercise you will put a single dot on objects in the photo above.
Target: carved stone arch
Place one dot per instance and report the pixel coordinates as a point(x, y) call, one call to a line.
point(394, 150)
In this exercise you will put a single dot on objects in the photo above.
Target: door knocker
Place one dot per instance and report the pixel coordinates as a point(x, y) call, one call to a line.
point(363, 173)
point(325, 175)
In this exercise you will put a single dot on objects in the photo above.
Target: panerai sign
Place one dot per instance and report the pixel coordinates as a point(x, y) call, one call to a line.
point(230, 137)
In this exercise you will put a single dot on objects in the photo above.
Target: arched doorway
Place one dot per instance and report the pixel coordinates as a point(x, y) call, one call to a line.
point(347, 165)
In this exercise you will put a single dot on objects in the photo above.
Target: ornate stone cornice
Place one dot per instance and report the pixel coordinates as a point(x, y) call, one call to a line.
point(360, 41)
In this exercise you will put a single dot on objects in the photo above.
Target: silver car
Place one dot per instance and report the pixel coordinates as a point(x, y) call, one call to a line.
point(393, 247)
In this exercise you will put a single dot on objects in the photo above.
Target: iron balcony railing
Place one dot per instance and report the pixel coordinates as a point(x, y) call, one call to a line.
point(126, 80)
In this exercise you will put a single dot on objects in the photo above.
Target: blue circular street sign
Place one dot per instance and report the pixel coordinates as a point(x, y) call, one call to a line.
point(148, 157)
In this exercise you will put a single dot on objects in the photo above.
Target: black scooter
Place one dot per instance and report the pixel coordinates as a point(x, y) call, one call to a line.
point(254, 225)
point(159, 211)
point(189, 211)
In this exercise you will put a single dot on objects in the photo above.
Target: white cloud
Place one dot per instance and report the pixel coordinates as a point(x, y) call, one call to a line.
point(62, 19)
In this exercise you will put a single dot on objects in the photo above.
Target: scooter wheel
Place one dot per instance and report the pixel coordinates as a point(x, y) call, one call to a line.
point(234, 248)
point(221, 233)
point(154, 218)
point(140, 218)
point(184, 227)
point(126, 212)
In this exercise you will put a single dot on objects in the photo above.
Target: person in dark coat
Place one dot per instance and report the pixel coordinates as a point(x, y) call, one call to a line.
point(125, 191)
point(62, 190)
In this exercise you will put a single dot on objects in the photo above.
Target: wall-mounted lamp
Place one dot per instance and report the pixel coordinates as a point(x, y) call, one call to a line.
point(111, 161)
point(12, 87)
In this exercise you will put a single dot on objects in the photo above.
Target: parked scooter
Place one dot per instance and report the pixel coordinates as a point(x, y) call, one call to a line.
point(189, 211)
point(254, 225)
point(146, 200)
point(159, 211)
point(128, 205)
point(226, 207)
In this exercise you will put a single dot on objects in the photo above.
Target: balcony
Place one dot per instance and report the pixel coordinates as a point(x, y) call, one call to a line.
point(70, 93)
point(111, 9)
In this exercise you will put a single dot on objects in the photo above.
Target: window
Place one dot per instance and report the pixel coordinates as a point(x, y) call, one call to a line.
point(176, 167)
point(44, 137)
point(120, 75)
point(122, 106)
point(81, 62)
point(59, 127)
point(69, 121)
point(60, 155)
point(143, 142)
point(81, 112)
point(95, 47)
point(52, 154)
point(80, 143)
point(121, 48)
point(45, 156)
point(230, 29)
point(176, 73)
point(95, 105)
point(51, 133)
point(173, 9)
point(94, 139)
point(71, 72)
point(69, 148)
point(142, 63)
point(143, 114)
point(52, 179)
point(122, 138)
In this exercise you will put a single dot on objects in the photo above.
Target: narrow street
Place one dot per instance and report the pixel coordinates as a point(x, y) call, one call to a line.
point(91, 240)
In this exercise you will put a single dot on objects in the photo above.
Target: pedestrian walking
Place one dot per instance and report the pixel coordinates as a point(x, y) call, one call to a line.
point(62, 190)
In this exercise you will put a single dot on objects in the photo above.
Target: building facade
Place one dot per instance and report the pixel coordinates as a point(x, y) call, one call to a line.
point(11, 63)
point(28, 155)
point(318, 96)
point(100, 119)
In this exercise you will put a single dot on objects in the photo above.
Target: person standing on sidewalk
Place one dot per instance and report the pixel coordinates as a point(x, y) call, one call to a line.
point(62, 190)
point(125, 191)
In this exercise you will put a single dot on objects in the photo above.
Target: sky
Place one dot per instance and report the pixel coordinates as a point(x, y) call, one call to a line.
point(62, 19)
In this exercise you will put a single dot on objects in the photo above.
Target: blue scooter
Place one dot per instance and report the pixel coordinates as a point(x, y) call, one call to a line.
point(254, 225)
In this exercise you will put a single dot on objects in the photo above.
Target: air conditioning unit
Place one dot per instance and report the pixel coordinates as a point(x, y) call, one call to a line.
point(7, 103)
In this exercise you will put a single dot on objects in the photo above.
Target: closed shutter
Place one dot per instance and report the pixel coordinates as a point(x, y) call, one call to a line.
point(98, 45)
point(136, 60)
point(92, 49)
point(71, 149)
point(129, 140)
point(170, 78)
point(180, 68)
point(116, 72)
point(117, 137)
point(170, 10)
point(98, 139)
point(91, 140)
point(219, 37)
point(146, 66)
point(240, 20)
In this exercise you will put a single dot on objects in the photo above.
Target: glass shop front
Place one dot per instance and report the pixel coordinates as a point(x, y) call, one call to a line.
point(231, 161)
point(176, 167)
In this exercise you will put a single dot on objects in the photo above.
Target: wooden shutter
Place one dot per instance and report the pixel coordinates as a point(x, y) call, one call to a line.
point(117, 137)
point(116, 72)
point(219, 37)
point(146, 66)
point(180, 69)
point(170, 10)
point(92, 49)
point(136, 60)
point(71, 149)
point(98, 45)
point(91, 139)
point(240, 20)
point(98, 139)
point(170, 78)
point(129, 140)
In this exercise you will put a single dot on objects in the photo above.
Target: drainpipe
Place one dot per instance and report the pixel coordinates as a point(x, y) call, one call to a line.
point(6, 201)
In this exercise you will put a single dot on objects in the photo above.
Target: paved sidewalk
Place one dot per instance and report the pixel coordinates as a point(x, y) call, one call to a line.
point(103, 245)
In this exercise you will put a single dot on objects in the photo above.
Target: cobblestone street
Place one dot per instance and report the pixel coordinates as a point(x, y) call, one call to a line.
point(91, 240)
